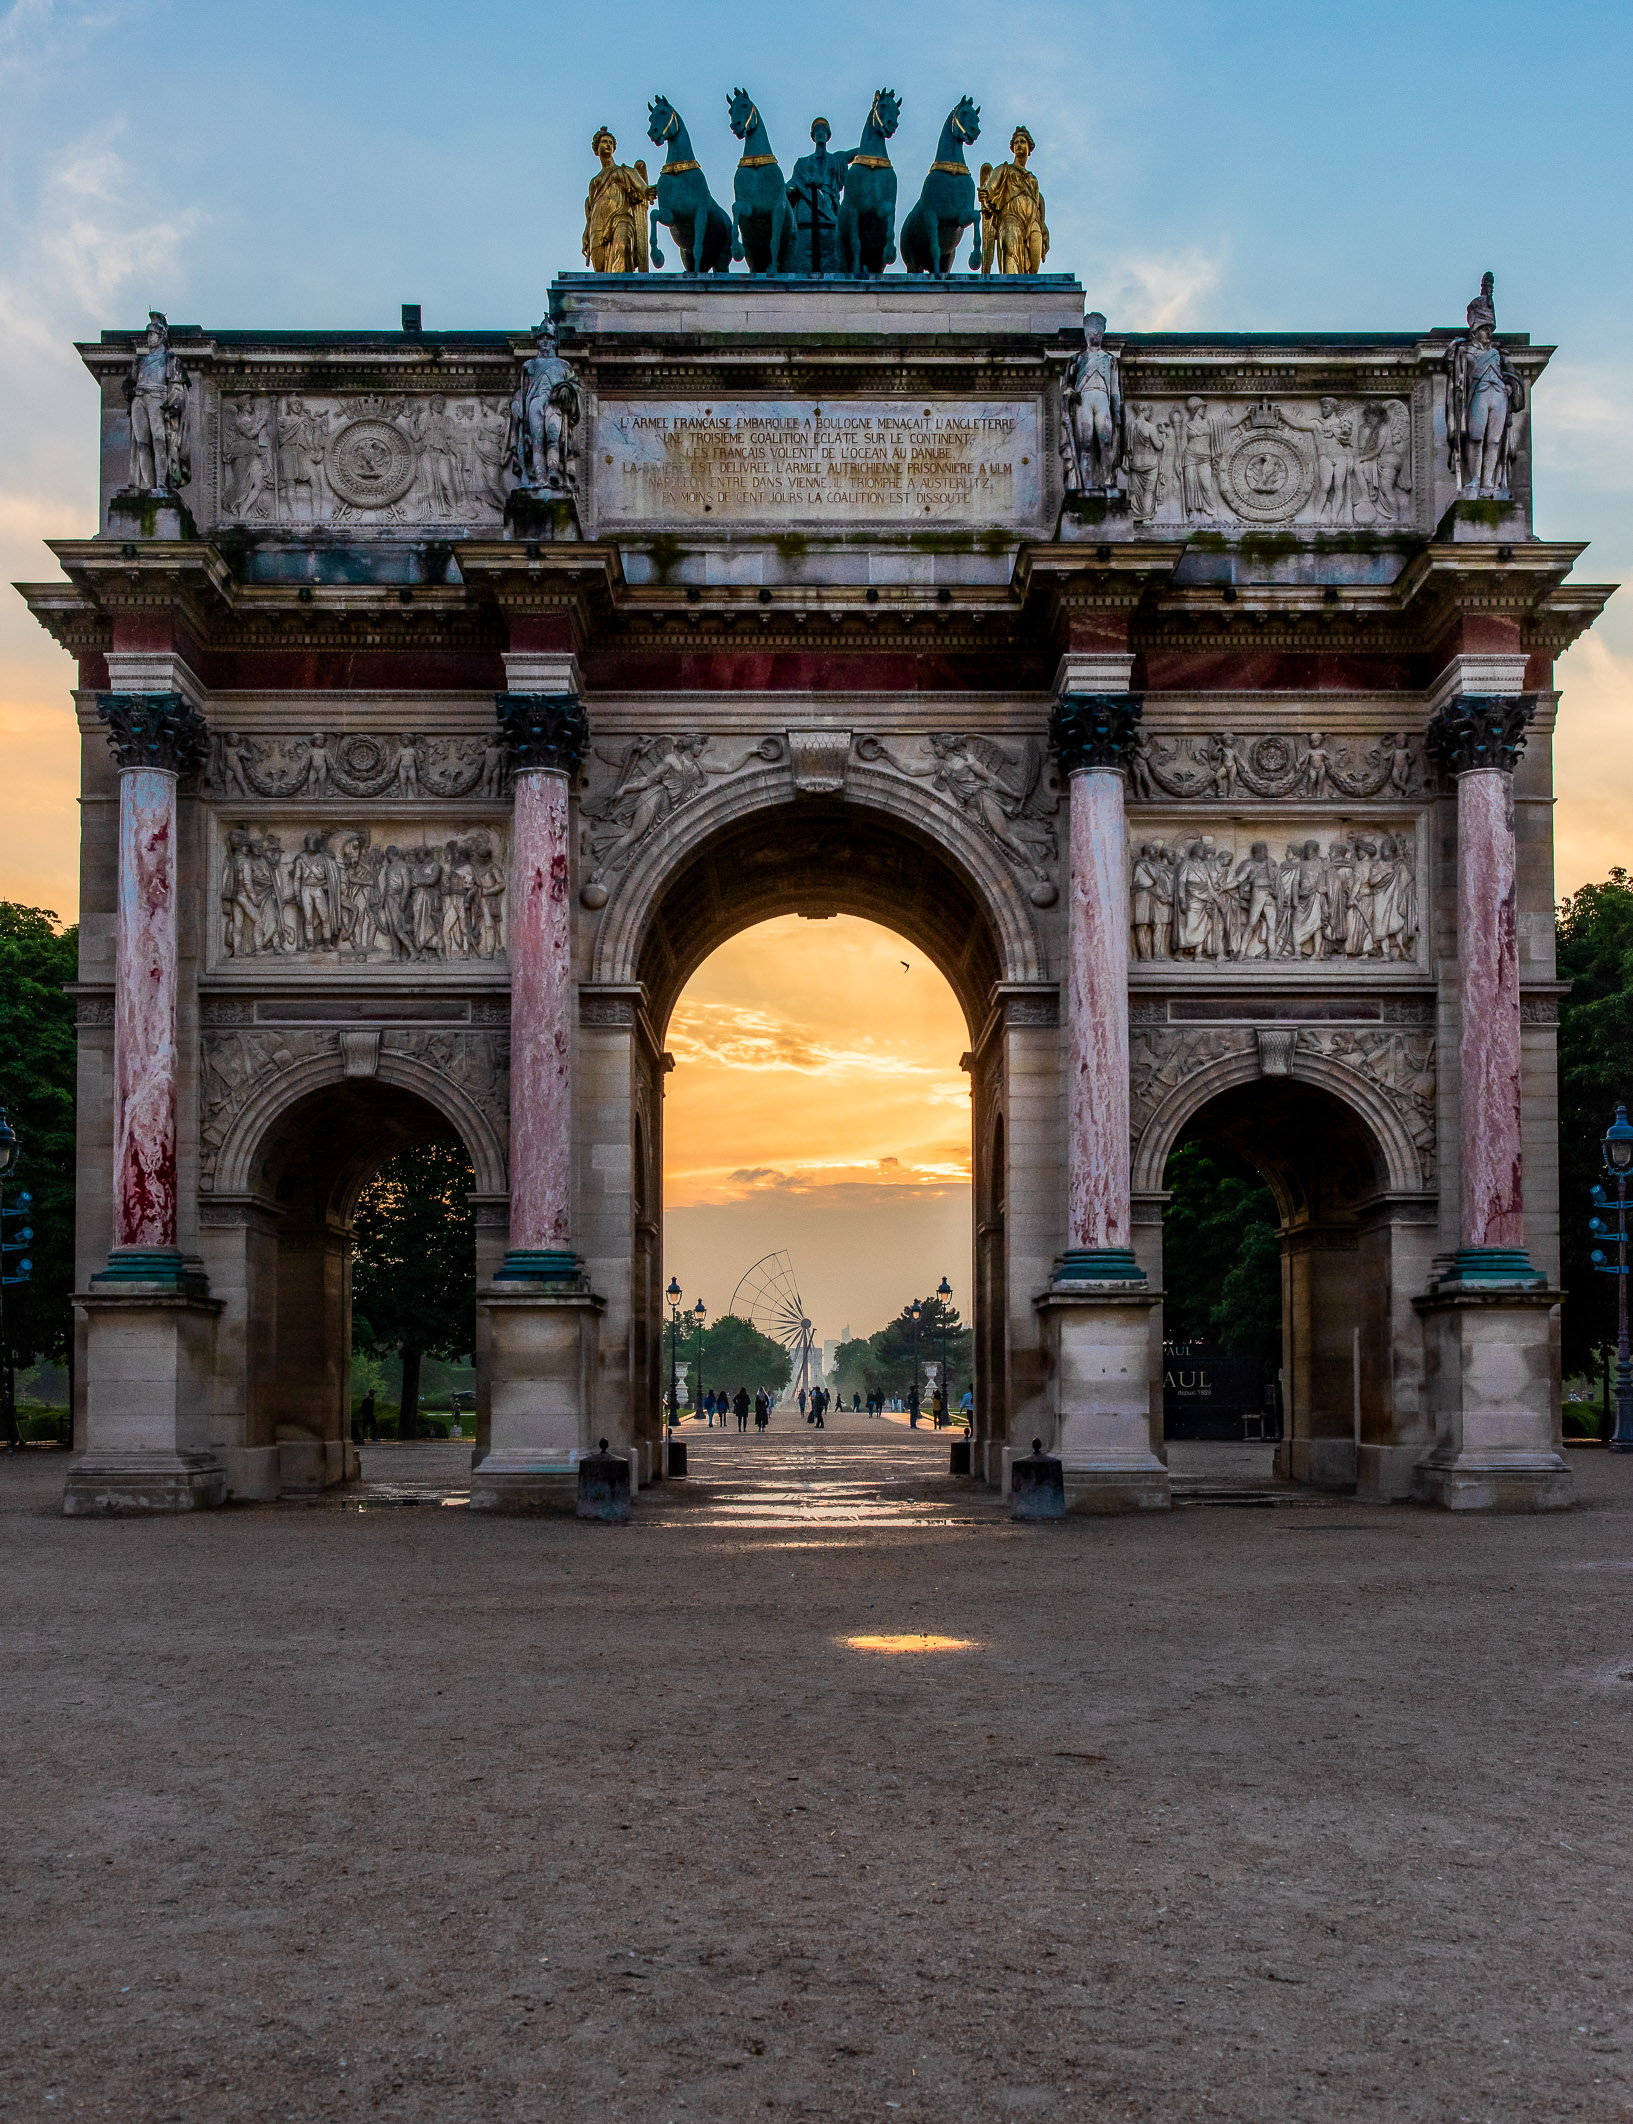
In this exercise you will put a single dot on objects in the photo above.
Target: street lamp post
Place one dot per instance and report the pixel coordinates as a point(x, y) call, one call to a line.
point(700, 1313)
point(1617, 1150)
point(944, 1292)
point(913, 1407)
point(673, 1295)
point(9, 1148)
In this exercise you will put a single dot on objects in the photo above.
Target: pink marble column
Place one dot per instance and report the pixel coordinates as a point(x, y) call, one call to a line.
point(541, 990)
point(1489, 1039)
point(1093, 735)
point(144, 1013)
point(1097, 1013)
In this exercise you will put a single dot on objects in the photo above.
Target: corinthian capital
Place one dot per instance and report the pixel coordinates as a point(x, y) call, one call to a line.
point(1479, 730)
point(160, 730)
point(1094, 729)
point(543, 730)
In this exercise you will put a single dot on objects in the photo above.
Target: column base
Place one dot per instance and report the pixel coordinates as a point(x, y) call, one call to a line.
point(1489, 1394)
point(105, 1485)
point(1491, 1268)
point(543, 1340)
point(1098, 1264)
point(521, 1483)
point(1098, 1332)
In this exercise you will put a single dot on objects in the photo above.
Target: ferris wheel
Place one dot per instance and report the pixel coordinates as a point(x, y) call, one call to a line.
point(767, 1296)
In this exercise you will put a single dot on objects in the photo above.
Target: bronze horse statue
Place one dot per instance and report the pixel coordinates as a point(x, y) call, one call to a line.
point(946, 206)
point(695, 219)
point(762, 219)
point(867, 212)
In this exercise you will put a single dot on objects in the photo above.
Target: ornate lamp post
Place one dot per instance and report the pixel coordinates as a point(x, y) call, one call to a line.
point(913, 1406)
point(944, 1292)
point(1617, 1151)
point(700, 1313)
point(673, 1295)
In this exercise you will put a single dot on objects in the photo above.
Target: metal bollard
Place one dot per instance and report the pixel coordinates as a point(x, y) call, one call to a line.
point(959, 1462)
point(603, 1487)
point(676, 1463)
point(1037, 1485)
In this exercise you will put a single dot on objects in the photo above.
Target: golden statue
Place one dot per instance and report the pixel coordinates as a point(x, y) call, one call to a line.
point(615, 230)
point(1013, 230)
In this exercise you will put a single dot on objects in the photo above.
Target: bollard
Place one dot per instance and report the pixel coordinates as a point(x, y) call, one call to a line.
point(603, 1487)
point(959, 1463)
point(676, 1463)
point(1037, 1485)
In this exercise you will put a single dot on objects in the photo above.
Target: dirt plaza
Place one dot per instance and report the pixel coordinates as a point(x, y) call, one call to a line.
point(1304, 1810)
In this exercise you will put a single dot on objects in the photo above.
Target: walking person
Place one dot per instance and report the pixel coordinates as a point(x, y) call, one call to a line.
point(803, 1397)
point(913, 1410)
point(819, 1401)
point(740, 1404)
point(762, 1411)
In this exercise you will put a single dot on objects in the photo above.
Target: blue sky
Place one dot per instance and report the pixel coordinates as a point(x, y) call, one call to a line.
point(1258, 164)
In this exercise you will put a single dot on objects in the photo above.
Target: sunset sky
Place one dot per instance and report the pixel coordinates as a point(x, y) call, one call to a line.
point(1264, 165)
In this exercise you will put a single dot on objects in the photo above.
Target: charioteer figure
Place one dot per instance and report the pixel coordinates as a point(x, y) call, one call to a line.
point(814, 191)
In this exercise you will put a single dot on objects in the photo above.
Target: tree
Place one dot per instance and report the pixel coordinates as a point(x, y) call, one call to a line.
point(883, 1363)
point(1221, 1255)
point(414, 1264)
point(736, 1354)
point(37, 1090)
point(1594, 935)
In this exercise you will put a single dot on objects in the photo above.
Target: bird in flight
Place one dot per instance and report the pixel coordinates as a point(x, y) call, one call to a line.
point(905, 967)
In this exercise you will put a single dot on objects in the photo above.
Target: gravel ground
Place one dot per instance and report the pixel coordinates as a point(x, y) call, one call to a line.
point(1303, 1812)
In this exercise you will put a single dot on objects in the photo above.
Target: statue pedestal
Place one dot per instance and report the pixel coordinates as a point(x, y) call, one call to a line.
point(149, 1362)
point(1092, 517)
point(543, 1340)
point(1099, 1340)
point(532, 514)
point(1491, 1363)
point(132, 513)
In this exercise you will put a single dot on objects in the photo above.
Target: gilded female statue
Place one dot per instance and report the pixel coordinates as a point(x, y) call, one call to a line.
point(615, 212)
point(1014, 234)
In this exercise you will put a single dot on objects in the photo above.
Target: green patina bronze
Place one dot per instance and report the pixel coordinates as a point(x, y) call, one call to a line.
point(946, 206)
point(867, 212)
point(685, 207)
point(761, 217)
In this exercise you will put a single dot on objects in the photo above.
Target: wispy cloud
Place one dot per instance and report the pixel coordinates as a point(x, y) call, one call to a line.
point(1156, 291)
point(730, 1036)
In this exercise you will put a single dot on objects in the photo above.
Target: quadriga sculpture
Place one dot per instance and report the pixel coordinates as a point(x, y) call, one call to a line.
point(946, 206)
point(762, 219)
point(867, 212)
point(697, 222)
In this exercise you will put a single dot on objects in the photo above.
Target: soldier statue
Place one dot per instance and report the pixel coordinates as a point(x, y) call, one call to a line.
point(156, 392)
point(544, 411)
point(814, 191)
point(1092, 414)
point(1486, 392)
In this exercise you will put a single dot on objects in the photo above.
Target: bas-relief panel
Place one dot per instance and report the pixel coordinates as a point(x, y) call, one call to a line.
point(395, 891)
point(1284, 888)
point(321, 764)
point(369, 461)
point(803, 463)
point(1317, 463)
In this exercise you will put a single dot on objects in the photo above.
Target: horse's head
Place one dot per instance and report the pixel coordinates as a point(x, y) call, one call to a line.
point(741, 112)
point(887, 111)
point(663, 120)
point(965, 119)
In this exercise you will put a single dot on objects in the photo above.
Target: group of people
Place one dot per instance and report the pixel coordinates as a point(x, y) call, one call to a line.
point(1198, 900)
point(340, 893)
point(815, 1402)
point(725, 1406)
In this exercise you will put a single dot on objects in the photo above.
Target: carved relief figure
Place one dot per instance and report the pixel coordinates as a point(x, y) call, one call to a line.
point(1142, 462)
point(615, 226)
point(1383, 458)
point(654, 777)
point(481, 446)
point(1092, 414)
point(246, 458)
point(1199, 441)
point(1273, 766)
point(156, 393)
point(359, 765)
point(1201, 901)
point(441, 470)
point(342, 895)
point(1333, 433)
point(1484, 397)
point(544, 413)
point(302, 442)
point(1005, 794)
point(1014, 234)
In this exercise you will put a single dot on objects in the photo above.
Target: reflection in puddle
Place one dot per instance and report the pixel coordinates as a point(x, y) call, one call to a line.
point(902, 1641)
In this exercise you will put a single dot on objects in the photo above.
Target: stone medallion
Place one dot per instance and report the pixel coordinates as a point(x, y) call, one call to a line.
point(1267, 477)
point(371, 464)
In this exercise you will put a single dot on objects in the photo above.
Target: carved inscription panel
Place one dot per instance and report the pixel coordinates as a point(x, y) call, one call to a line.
point(806, 463)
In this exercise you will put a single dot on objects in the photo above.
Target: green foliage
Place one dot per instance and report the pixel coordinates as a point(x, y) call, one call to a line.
point(1595, 944)
point(38, 1041)
point(735, 1354)
point(414, 1264)
point(1221, 1255)
point(883, 1362)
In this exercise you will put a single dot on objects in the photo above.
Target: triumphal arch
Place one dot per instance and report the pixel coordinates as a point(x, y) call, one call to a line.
point(448, 696)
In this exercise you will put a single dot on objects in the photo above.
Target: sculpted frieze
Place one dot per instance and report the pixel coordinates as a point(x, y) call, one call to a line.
point(1005, 790)
point(359, 765)
point(1313, 766)
point(1348, 894)
point(1322, 462)
point(368, 460)
point(347, 895)
point(651, 779)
